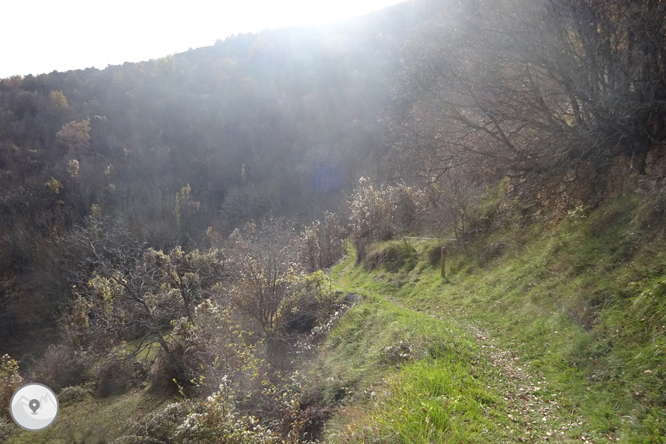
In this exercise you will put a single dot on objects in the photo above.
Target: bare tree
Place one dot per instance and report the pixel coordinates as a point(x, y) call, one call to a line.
point(116, 290)
point(264, 258)
point(126, 290)
point(531, 89)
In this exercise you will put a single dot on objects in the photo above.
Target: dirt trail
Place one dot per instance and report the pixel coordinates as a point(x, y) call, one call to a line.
point(538, 415)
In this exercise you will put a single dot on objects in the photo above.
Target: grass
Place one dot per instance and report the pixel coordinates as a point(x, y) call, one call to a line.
point(581, 303)
point(94, 420)
point(411, 372)
point(437, 400)
point(376, 336)
point(541, 332)
point(401, 375)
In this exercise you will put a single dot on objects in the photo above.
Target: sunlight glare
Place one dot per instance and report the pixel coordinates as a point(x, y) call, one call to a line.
point(48, 35)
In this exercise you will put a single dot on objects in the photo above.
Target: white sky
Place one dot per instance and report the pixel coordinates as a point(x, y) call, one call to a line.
point(41, 36)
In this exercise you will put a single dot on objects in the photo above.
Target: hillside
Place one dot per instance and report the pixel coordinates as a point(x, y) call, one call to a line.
point(241, 243)
point(538, 333)
point(280, 122)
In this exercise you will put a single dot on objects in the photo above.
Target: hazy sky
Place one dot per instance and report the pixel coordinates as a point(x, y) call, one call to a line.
point(40, 36)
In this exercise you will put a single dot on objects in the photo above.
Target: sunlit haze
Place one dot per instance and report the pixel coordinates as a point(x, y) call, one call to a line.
point(43, 36)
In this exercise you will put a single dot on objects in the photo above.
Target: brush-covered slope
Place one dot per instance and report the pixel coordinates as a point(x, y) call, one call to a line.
point(539, 332)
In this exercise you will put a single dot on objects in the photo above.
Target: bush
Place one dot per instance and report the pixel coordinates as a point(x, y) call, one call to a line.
point(6, 429)
point(73, 395)
point(205, 351)
point(378, 214)
point(371, 210)
point(62, 367)
point(331, 240)
point(321, 244)
point(265, 259)
point(169, 371)
point(309, 251)
point(392, 256)
point(10, 381)
point(158, 427)
point(216, 420)
point(116, 374)
point(315, 303)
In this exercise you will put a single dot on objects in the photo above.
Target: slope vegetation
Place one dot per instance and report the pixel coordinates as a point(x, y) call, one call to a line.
point(540, 332)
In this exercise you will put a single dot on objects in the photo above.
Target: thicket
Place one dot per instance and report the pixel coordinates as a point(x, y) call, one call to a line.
point(547, 93)
point(220, 327)
point(518, 107)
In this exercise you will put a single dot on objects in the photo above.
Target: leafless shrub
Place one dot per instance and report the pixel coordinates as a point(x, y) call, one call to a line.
point(381, 213)
point(117, 373)
point(309, 250)
point(217, 419)
point(331, 240)
point(265, 260)
point(533, 90)
point(321, 244)
point(208, 350)
point(62, 366)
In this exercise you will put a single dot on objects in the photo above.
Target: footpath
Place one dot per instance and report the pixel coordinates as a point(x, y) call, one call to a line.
point(539, 415)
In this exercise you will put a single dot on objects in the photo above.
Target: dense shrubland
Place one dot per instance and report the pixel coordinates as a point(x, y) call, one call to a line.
point(221, 326)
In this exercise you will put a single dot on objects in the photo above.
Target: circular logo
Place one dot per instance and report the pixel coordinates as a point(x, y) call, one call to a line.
point(34, 407)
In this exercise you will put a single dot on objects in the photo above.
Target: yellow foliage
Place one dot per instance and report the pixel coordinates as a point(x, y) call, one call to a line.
point(185, 206)
point(10, 381)
point(58, 99)
point(73, 168)
point(106, 290)
point(78, 329)
point(75, 135)
point(54, 185)
point(96, 212)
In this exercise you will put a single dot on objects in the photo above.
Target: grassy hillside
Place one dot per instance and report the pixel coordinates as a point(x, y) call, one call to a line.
point(540, 332)
point(84, 419)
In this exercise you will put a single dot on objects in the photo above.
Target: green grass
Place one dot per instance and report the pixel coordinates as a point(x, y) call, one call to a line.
point(579, 306)
point(437, 400)
point(415, 368)
point(376, 336)
point(582, 302)
point(94, 420)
